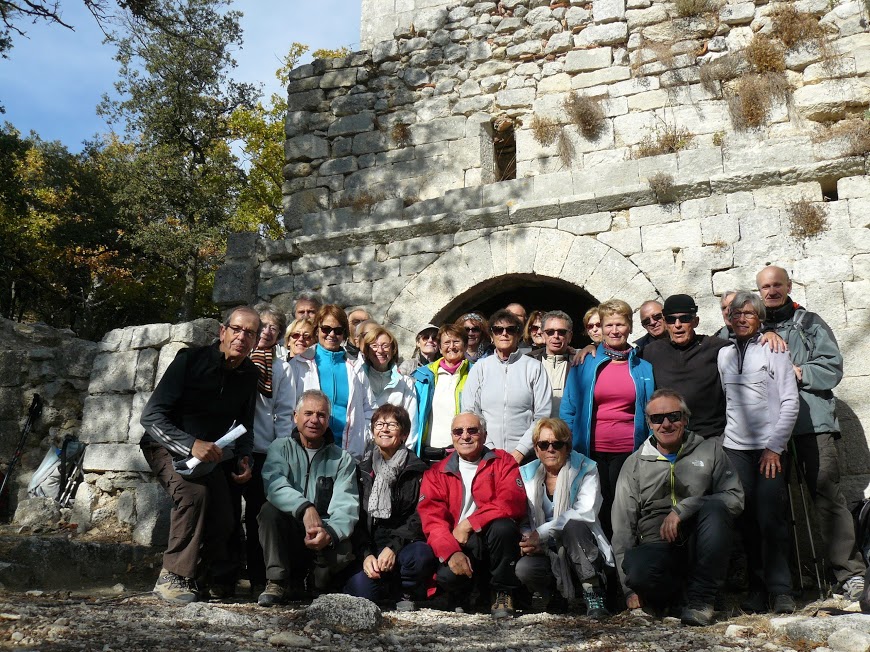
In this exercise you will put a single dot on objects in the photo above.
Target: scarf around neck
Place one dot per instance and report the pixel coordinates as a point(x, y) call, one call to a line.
point(783, 313)
point(262, 359)
point(449, 368)
point(613, 354)
point(386, 472)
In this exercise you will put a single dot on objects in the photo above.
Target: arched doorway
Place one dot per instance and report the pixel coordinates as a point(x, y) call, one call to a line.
point(532, 291)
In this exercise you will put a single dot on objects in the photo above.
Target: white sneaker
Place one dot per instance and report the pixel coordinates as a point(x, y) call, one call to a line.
point(853, 587)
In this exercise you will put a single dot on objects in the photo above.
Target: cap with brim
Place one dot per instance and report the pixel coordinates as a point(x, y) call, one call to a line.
point(679, 303)
point(427, 327)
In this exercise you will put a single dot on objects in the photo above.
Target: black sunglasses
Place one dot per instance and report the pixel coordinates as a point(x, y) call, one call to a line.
point(473, 431)
point(562, 332)
point(683, 319)
point(649, 320)
point(510, 330)
point(328, 330)
point(659, 418)
point(545, 445)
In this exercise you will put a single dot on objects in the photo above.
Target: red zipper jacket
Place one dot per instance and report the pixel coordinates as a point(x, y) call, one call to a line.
point(497, 490)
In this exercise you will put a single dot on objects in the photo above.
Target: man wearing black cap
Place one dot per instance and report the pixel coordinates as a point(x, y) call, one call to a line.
point(687, 363)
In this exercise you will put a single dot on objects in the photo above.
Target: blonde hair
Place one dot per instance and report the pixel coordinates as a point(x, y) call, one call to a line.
point(560, 429)
point(616, 307)
point(371, 336)
point(297, 323)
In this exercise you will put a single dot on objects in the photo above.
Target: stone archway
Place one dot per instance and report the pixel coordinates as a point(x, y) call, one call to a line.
point(580, 260)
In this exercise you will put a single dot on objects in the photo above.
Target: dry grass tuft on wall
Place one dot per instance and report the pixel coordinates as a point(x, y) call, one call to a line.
point(753, 96)
point(401, 134)
point(722, 69)
point(664, 139)
point(692, 8)
point(662, 185)
point(795, 28)
point(586, 113)
point(765, 54)
point(545, 130)
point(854, 133)
point(807, 220)
point(566, 149)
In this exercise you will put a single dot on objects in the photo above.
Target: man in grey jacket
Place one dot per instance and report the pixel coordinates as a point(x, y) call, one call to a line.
point(818, 367)
point(676, 499)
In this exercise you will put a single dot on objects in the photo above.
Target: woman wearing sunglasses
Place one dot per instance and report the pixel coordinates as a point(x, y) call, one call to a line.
point(604, 398)
point(533, 333)
point(761, 407)
point(325, 366)
point(379, 355)
point(299, 336)
point(511, 390)
point(476, 327)
point(564, 550)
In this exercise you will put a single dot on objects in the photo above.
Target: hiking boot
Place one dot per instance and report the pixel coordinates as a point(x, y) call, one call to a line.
point(406, 604)
point(697, 614)
point(503, 605)
point(175, 588)
point(783, 603)
point(274, 593)
point(594, 598)
point(221, 591)
point(557, 604)
point(458, 603)
point(853, 587)
point(754, 603)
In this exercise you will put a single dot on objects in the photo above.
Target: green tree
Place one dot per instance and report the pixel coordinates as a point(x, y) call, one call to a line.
point(184, 181)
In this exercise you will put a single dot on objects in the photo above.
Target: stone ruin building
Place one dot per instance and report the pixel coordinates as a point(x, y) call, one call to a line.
point(556, 153)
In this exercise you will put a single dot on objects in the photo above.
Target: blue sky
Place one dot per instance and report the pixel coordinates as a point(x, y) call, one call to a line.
point(53, 79)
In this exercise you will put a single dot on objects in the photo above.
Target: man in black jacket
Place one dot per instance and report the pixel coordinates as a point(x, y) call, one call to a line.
point(205, 392)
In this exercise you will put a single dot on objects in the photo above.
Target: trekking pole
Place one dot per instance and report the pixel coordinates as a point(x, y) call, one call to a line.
point(797, 549)
point(818, 564)
point(32, 415)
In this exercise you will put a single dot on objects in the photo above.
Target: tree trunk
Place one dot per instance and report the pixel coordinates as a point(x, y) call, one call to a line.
point(191, 281)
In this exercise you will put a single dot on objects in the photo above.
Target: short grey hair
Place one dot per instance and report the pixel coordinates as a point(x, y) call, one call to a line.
point(314, 393)
point(557, 314)
point(742, 297)
point(474, 414)
point(265, 309)
point(669, 393)
point(308, 295)
point(725, 295)
point(355, 309)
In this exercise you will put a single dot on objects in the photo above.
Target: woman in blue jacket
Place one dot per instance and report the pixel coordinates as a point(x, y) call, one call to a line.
point(604, 399)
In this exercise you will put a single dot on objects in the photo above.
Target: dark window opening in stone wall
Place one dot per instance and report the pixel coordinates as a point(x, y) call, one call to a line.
point(504, 149)
point(532, 291)
point(829, 189)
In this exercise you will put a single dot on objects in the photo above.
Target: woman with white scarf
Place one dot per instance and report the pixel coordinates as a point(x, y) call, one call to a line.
point(564, 542)
point(396, 560)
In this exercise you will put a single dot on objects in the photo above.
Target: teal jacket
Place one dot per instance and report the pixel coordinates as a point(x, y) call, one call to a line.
point(424, 381)
point(578, 404)
point(290, 478)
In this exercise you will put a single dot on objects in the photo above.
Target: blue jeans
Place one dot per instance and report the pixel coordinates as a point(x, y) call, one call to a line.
point(415, 563)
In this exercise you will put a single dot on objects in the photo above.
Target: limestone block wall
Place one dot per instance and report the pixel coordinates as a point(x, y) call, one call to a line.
point(119, 491)
point(37, 359)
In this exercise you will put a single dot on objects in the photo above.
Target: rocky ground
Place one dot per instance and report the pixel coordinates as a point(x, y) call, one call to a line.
point(114, 619)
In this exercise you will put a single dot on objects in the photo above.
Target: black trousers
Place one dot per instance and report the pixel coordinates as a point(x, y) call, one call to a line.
point(699, 558)
point(764, 522)
point(247, 544)
point(609, 467)
point(493, 552)
point(585, 560)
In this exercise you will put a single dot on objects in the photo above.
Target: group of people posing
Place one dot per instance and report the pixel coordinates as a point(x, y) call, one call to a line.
point(497, 462)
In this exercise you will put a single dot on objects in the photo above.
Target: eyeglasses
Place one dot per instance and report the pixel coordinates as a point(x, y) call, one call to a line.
point(673, 417)
point(683, 319)
point(380, 347)
point(534, 328)
point(746, 314)
point(472, 329)
point(302, 336)
point(472, 431)
point(329, 330)
point(388, 426)
point(545, 445)
point(510, 330)
point(272, 328)
point(593, 324)
point(649, 320)
point(561, 332)
point(238, 330)
point(428, 336)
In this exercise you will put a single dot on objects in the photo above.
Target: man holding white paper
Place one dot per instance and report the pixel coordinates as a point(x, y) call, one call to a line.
point(205, 392)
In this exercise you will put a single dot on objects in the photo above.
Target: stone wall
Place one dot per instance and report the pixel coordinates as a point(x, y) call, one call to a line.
point(37, 359)
point(119, 492)
point(390, 194)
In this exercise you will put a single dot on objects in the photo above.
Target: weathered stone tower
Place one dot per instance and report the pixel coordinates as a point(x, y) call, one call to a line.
point(561, 153)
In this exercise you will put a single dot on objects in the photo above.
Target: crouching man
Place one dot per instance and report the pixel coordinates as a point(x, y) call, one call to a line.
point(312, 505)
point(676, 499)
point(471, 504)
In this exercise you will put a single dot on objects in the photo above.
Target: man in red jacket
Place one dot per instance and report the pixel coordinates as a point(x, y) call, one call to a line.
point(471, 504)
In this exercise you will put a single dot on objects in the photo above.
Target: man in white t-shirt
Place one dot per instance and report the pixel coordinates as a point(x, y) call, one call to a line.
point(471, 504)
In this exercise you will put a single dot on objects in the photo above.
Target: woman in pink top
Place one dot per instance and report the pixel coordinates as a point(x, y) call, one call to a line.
point(604, 401)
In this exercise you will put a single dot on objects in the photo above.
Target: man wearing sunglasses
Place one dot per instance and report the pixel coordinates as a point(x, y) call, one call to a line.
point(687, 362)
point(205, 392)
point(653, 320)
point(556, 355)
point(676, 499)
point(471, 504)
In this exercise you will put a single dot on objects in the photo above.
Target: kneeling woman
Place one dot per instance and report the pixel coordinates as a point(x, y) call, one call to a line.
point(396, 560)
point(566, 542)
